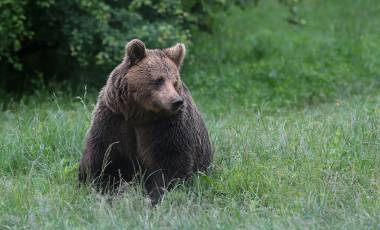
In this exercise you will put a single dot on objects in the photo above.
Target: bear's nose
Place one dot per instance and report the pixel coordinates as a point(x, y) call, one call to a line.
point(177, 103)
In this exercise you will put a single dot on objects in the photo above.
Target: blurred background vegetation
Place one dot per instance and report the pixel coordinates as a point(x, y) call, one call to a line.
point(280, 52)
point(52, 40)
point(47, 41)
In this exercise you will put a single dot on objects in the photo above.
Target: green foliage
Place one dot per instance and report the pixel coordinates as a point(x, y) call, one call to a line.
point(55, 38)
point(12, 30)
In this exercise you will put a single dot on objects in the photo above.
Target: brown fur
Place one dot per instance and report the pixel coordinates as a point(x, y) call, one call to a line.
point(145, 121)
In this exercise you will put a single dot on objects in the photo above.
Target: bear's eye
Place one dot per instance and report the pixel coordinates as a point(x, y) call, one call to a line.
point(159, 81)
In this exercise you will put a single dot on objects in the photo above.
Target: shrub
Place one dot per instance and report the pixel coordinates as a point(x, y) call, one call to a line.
point(44, 39)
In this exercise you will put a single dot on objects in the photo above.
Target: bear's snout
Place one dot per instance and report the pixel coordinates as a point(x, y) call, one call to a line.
point(177, 103)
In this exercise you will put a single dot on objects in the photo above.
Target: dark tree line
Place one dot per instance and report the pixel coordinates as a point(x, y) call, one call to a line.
point(72, 39)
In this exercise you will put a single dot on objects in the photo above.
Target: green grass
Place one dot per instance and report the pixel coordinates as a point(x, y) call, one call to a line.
point(255, 57)
point(314, 168)
point(294, 117)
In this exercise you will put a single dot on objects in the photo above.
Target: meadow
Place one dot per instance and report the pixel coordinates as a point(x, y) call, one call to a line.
point(293, 112)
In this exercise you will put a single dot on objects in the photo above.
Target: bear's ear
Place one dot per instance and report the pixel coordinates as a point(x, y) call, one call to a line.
point(176, 53)
point(135, 51)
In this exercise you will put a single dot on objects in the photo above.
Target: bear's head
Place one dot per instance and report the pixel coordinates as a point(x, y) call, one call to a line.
point(153, 77)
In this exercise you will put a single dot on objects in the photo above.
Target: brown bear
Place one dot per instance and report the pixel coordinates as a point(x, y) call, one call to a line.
point(145, 123)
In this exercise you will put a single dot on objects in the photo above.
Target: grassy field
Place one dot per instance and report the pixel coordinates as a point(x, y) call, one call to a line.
point(294, 117)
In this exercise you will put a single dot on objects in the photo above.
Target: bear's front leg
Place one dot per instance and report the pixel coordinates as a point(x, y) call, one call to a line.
point(157, 183)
